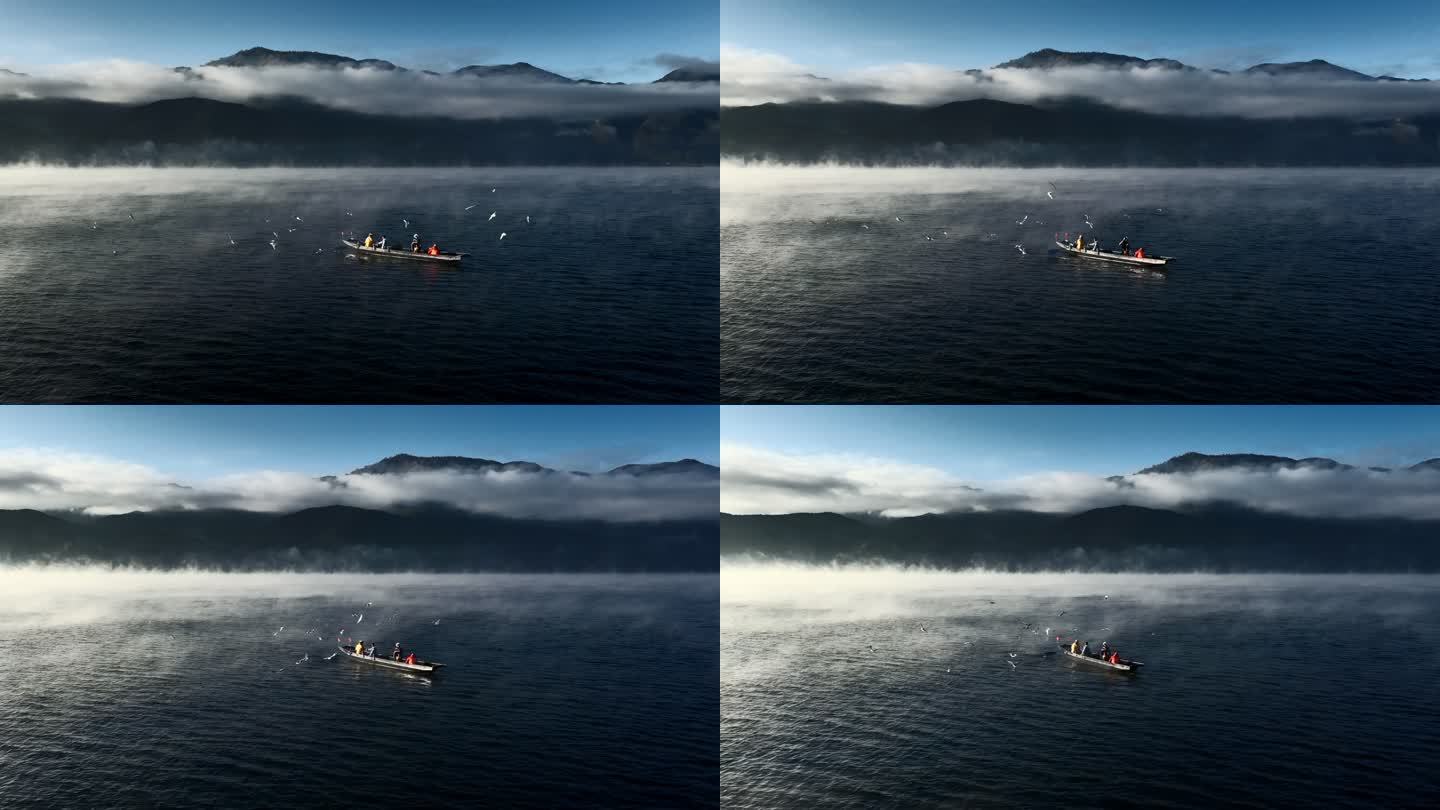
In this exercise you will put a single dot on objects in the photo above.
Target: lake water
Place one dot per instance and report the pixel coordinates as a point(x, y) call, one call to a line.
point(1289, 286)
point(1256, 691)
point(121, 285)
point(171, 690)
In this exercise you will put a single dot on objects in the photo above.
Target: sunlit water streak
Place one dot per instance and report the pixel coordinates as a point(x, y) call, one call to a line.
point(608, 294)
point(1257, 691)
point(1290, 286)
point(180, 690)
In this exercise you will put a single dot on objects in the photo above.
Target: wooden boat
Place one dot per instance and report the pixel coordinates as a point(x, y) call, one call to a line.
point(422, 256)
point(1114, 256)
point(1123, 666)
point(419, 667)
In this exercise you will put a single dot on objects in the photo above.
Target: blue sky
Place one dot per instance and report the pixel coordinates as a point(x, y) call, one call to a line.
point(1397, 36)
point(979, 442)
point(611, 41)
point(200, 441)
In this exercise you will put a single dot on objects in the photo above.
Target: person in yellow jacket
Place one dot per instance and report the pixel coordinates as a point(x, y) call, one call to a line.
point(369, 240)
point(1079, 242)
point(359, 648)
point(1075, 646)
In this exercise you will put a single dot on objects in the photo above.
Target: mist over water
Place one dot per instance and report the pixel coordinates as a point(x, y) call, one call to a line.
point(607, 294)
point(1289, 286)
point(146, 688)
point(1280, 690)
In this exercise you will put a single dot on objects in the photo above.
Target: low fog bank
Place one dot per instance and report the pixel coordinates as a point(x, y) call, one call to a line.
point(397, 93)
point(97, 486)
point(76, 595)
point(1218, 539)
point(347, 539)
point(757, 481)
point(847, 615)
point(750, 78)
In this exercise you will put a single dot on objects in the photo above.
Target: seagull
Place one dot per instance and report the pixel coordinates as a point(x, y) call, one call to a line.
point(406, 221)
point(492, 191)
point(274, 234)
point(437, 622)
point(1021, 221)
point(923, 630)
point(1089, 224)
point(897, 219)
point(866, 227)
point(289, 230)
point(1050, 194)
point(1012, 665)
point(502, 235)
point(278, 632)
point(132, 217)
point(231, 238)
point(319, 250)
point(303, 660)
point(94, 226)
point(1061, 613)
point(492, 216)
point(472, 205)
point(348, 214)
point(928, 239)
point(331, 655)
point(361, 619)
point(1021, 248)
point(298, 219)
point(272, 245)
point(527, 219)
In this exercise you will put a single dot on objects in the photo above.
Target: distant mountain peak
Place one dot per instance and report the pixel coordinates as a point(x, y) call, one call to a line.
point(1204, 462)
point(692, 73)
point(265, 57)
point(1047, 58)
point(685, 466)
point(403, 463)
point(1315, 68)
point(517, 70)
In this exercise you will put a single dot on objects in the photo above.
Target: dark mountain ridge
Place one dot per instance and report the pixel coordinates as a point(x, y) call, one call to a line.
point(346, 538)
point(1210, 537)
point(1080, 132)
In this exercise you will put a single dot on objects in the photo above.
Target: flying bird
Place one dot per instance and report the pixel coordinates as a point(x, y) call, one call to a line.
point(1050, 194)
point(897, 219)
point(1021, 221)
point(527, 219)
point(406, 221)
point(502, 235)
point(492, 216)
point(272, 245)
point(472, 205)
point(1021, 248)
point(298, 219)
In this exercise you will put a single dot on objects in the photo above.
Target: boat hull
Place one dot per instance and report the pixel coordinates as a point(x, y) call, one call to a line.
point(448, 258)
point(421, 668)
point(1130, 667)
point(1117, 258)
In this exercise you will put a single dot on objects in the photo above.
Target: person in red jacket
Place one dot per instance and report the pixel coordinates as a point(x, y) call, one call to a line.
point(410, 659)
point(1114, 657)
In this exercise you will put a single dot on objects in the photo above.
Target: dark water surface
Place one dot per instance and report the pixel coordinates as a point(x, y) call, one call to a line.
point(609, 294)
point(1290, 286)
point(146, 691)
point(1257, 692)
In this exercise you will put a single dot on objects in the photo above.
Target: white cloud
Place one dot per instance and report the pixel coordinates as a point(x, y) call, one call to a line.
point(404, 93)
point(750, 77)
point(756, 481)
point(48, 481)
